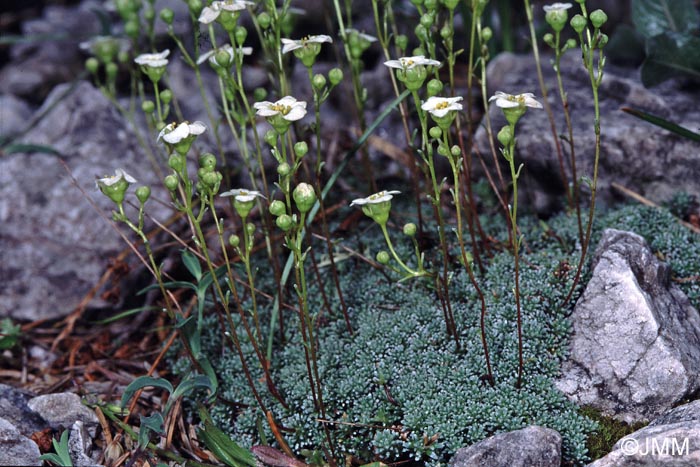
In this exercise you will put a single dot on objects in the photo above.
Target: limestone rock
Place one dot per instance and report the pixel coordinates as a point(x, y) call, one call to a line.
point(635, 351)
point(14, 115)
point(16, 449)
point(531, 446)
point(672, 440)
point(63, 409)
point(647, 159)
point(14, 409)
point(54, 244)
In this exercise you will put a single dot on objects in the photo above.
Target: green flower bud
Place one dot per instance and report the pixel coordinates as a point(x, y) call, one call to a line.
point(570, 44)
point(212, 179)
point(486, 34)
point(250, 228)
point(410, 229)
point(234, 240)
point(284, 222)
point(549, 39)
point(223, 60)
point(602, 40)
point(578, 22)
point(435, 132)
point(335, 76)
point(207, 160)
point(264, 20)
point(383, 257)
point(240, 35)
point(446, 32)
point(270, 137)
point(149, 14)
point(132, 29)
point(505, 136)
point(148, 107)
point(195, 7)
point(318, 82)
point(598, 18)
point(277, 208)
point(430, 4)
point(284, 169)
point(259, 94)
point(167, 15)
point(450, 4)
point(455, 151)
point(401, 41)
point(442, 150)
point(143, 193)
point(434, 87)
point(111, 70)
point(556, 18)
point(304, 197)
point(427, 20)
point(171, 182)
point(421, 32)
point(301, 148)
point(166, 96)
point(92, 65)
point(176, 162)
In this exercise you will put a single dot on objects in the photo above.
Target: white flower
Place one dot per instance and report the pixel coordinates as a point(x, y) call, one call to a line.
point(156, 60)
point(109, 180)
point(243, 196)
point(557, 7)
point(105, 44)
point(288, 44)
point(441, 106)
point(174, 133)
point(211, 13)
point(507, 101)
point(288, 107)
point(376, 198)
point(406, 63)
point(211, 55)
point(360, 35)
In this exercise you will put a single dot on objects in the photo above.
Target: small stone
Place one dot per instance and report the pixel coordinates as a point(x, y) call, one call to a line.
point(63, 409)
point(16, 449)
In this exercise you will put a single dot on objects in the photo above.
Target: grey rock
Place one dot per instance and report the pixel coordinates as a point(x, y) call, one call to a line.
point(62, 410)
point(15, 448)
point(635, 351)
point(37, 66)
point(14, 115)
point(533, 446)
point(672, 440)
point(14, 409)
point(79, 446)
point(55, 245)
point(634, 153)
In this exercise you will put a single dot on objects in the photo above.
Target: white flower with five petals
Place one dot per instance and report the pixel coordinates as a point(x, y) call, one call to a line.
point(557, 7)
point(288, 108)
point(407, 63)
point(211, 13)
point(376, 198)
point(289, 44)
point(174, 133)
point(211, 55)
point(156, 60)
point(441, 106)
point(110, 180)
point(507, 101)
point(243, 196)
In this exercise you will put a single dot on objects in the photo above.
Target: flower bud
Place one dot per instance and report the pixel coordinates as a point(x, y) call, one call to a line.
point(505, 136)
point(410, 229)
point(427, 20)
point(166, 96)
point(598, 18)
point(250, 228)
point(578, 22)
point(277, 208)
point(435, 132)
point(318, 82)
point(171, 182)
point(240, 35)
point(304, 197)
point(549, 39)
point(556, 18)
point(284, 169)
point(335, 76)
point(149, 14)
point(111, 70)
point(434, 87)
point(259, 94)
point(195, 7)
point(383, 257)
point(132, 29)
point(602, 40)
point(431, 5)
point(455, 151)
point(442, 150)
point(570, 43)
point(207, 160)
point(446, 32)
point(234, 240)
point(450, 4)
point(143, 193)
point(212, 179)
point(167, 15)
point(264, 20)
point(421, 32)
point(301, 148)
point(148, 107)
point(401, 41)
point(92, 65)
point(284, 222)
point(176, 162)
point(486, 34)
point(270, 137)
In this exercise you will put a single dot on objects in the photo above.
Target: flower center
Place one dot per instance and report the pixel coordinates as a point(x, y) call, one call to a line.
point(281, 108)
point(442, 105)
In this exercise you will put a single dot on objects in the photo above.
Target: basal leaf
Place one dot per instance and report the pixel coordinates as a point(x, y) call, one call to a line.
point(670, 55)
point(654, 17)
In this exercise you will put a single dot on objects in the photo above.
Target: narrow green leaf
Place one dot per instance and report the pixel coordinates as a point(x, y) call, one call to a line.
point(224, 448)
point(28, 147)
point(654, 17)
point(143, 382)
point(663, 123)
point(192, 264)
point(126, 314)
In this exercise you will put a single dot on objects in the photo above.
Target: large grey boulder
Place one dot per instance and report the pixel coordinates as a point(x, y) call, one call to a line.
point(54, 244)
point(533, 446)
point(635, 350)
point(672, 440)
point(647, 159)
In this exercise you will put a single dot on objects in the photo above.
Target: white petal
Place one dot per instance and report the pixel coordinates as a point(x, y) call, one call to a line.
point(208, 15)
point(122, 174)
point(203, 58)
point(288, 45)
point(288, 101)
point(320, 38)
point(296, 113)
point(197, 128)
point(393, 64)
point(178, 134)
